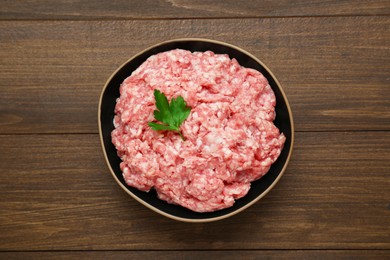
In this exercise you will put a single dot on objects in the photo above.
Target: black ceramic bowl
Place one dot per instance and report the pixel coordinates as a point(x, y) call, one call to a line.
point(259, 188)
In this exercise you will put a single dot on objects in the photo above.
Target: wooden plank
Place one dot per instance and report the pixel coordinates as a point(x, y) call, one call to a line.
point(57, 194)
point(220, 254)
point(148, 9)
point(335, 73)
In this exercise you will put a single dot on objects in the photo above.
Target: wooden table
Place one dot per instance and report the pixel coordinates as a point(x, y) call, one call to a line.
point(57, 197)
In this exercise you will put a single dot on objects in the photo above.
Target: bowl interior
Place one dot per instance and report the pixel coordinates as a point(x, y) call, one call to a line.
point(258, 188)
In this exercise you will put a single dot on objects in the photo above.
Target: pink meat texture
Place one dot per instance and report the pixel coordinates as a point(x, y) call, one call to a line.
point(230, 136)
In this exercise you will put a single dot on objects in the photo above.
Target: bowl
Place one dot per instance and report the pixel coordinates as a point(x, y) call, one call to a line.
point(259, 188)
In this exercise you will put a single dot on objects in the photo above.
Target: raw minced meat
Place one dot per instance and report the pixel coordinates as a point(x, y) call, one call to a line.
point(230, 136)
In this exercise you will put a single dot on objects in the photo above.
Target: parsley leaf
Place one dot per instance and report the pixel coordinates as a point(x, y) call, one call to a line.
point(172, 114)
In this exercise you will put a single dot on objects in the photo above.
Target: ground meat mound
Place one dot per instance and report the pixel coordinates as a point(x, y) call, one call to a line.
point(230, 136)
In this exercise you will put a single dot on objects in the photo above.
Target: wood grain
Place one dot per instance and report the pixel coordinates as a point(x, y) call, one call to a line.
point(148, 9)
point(57, 194)
point(335, 73)
point(220, 254)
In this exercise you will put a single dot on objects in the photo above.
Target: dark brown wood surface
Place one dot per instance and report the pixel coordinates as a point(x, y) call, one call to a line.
point(175, 9)
point(335, 73)
point(58, 199)
point(198, 254)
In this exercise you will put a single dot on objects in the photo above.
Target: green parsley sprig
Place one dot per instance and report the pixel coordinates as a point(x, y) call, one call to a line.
point(172, 114)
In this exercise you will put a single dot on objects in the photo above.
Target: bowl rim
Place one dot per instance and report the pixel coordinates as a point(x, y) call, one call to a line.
point(165, 213)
